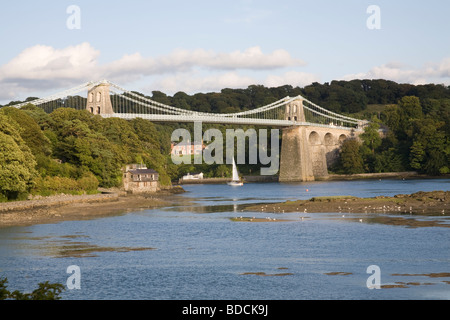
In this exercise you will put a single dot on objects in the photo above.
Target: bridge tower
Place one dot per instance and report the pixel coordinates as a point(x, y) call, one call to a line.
point(99, 101)
point(295, 160)
point(294, 111)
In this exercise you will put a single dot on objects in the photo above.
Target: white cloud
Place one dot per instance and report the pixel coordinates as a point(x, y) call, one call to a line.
point(398, 72)
point(44, 67)
point(192, 83)
point(47, 63)
point(185, 60)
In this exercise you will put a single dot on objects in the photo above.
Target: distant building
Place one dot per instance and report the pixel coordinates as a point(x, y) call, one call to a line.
point(195, 176)
point(186, 149)
point(138, 178)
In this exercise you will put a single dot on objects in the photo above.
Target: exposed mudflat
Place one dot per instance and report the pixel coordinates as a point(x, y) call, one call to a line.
point(420, 202)
point(436, 203)
point(62, 208)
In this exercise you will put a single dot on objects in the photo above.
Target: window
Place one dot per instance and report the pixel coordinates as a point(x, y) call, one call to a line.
point(98, 110)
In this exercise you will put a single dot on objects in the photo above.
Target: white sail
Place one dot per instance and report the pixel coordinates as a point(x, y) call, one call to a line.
point(235, 172)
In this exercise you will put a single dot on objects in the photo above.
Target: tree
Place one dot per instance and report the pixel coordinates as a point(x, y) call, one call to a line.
point(350, 160)
point(371, 136)
point(17, 163)
point(45, 291)
point(429, 151)
point(31, 134)
point(223, 171)
point(410, 107)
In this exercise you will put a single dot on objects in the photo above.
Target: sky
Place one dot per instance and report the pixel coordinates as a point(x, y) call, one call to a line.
point(205, 46)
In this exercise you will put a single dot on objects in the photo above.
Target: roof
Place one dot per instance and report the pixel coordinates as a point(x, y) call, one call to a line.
point(142, 171)
point(186, 143)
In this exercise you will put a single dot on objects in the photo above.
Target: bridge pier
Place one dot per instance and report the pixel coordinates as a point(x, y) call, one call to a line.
point(295, 162)
point(307, 150)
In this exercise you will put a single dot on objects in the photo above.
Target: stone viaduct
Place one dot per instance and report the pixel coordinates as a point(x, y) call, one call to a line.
point(309, 149)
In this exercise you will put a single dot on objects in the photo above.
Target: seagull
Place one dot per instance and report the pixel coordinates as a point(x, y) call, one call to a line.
point(360, 220)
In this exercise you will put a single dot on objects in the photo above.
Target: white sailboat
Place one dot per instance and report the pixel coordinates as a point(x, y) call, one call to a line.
point(235, 180)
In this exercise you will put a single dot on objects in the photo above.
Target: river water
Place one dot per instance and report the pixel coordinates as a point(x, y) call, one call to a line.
point(198, 252)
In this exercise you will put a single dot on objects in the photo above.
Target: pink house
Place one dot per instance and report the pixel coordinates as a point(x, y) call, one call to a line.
point(187, 149)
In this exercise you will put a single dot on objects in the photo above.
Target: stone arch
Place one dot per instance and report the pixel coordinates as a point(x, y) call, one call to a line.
point(99, 110)
point(342, 138)
point(329, 139)
point(99, 96)
point(91, 97)
point(314, 138)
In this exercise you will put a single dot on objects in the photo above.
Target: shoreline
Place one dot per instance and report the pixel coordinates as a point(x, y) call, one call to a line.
point(331, 177)
point(60, 208)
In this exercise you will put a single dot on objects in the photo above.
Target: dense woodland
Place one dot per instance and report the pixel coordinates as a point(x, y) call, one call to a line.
point(72, 151)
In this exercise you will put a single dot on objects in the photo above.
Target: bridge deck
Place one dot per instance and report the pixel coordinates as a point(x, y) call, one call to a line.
point(222, 120)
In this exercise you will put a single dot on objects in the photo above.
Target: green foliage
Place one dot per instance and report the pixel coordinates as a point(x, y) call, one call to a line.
point(419, 134)
point(429, 150)
point(53, 185)
point(72, 151)
point(45, 291)
point(371, 136)
point(350, 161)
point(4, 293)
point(17, 163)
point(31, 132)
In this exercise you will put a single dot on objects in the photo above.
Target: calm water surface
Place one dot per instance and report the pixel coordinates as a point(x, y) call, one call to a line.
point(199, 253)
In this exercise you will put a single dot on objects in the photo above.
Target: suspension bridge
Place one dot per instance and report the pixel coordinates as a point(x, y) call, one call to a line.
point(311, 138)
point(110, 100)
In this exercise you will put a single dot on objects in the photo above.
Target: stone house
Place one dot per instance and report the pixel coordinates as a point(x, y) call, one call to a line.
point(138, 178)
